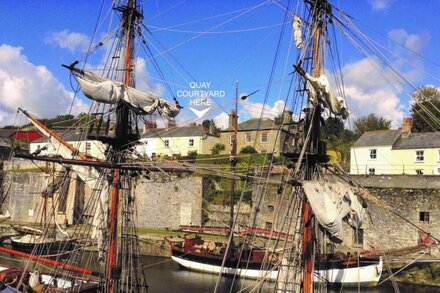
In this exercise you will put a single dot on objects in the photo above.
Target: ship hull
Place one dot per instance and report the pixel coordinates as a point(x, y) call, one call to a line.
point(365, 273)
point(214, 268)
point(46, 247)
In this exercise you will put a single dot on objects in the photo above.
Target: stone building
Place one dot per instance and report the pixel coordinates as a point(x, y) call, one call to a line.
point(264, 135)
point(162, 201)
point(388, 223)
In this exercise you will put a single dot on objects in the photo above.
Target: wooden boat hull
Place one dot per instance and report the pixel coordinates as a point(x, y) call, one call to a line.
point(52, 284)
point(365, 273)
point(214, 267)
point(45, 248)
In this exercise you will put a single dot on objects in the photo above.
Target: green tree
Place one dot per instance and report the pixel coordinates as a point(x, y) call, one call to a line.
point(248, 150)
point(217, 148)
point(425, 109)
point(333, 128)
point(371, 122)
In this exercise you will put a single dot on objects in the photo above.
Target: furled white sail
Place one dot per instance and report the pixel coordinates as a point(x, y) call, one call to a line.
point(333, 202)
point(297, 33)
point(107, 91)
point(320, 88)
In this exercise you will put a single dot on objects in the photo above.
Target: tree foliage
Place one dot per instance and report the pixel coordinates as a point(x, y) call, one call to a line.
point(248, 150)
point(217, 148)
point(371, 122)
point(425, 109)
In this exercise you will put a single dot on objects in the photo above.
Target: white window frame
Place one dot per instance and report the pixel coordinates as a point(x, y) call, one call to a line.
point(371, 171)
point(420, 156)
point(231, 141)
point(88, 146)
point(267, 137)
point(419, 171)
point(191, 142)
point(438, 159)
point(248, 138)
point(373, 154)
point(166, 143)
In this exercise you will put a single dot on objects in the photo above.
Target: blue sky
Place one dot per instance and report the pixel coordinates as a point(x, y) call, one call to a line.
point(38, 36)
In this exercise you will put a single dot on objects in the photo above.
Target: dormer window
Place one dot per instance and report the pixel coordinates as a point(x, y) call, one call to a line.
point(373, 154)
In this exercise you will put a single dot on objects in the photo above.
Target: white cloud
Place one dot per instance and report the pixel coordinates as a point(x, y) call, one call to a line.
point(414, 42)
point(257, 110)
point(222, 120)
point(376, 89)
point(72, 41)
point(32, 87)
point(380, 4)
point(143, 80)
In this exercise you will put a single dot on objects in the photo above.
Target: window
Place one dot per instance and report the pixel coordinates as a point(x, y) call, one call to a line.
point(439, 155)
point(231, 138)
point(373, 154)
point(420, 156)
point(88, 146)
point(38, 146)
point(419, 171)
point(191, 142)
point(371, 171)
point(264, 137)
point(358, 237)
point(166, 142)
point(268, 226)
point(424, 217)
point(248, 137)
point(270, 208)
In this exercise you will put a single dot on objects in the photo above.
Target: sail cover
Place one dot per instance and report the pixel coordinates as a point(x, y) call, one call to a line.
point(107, 91)
point(320, 87)
point(297, 33)
point(333, 202)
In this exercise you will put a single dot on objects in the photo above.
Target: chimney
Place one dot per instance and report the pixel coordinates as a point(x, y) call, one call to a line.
point(232, 120)
point(171, 123)
point(287, 116)
point(406, 126)
point(149, 124)
point(211, 127)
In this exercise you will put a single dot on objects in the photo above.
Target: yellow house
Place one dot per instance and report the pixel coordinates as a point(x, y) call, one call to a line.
point(417, 153)
point(171, 141)
point(396, 152)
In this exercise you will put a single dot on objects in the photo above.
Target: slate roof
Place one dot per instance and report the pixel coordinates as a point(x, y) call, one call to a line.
point(6, 133)
point(67, 135)
point(377, 138)
point(254, 124)
point(418, 141)
point(175, 132)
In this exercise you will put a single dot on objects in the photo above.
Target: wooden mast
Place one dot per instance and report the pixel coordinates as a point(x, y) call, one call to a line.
point(233, 165)
point(122, 133)
point(308, 249)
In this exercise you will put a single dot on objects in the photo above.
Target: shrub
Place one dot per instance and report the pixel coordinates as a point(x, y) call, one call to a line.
point(248, 150)
point(217, 148)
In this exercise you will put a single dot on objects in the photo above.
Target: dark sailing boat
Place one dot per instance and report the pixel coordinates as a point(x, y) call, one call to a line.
point(117, 102)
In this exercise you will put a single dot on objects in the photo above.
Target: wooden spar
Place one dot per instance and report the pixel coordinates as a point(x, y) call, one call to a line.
point(307, 241)
point(122, 133)
point(53, 134)
point(50, 262)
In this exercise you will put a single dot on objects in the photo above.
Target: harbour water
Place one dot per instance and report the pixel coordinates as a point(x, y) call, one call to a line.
point(165, 276)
